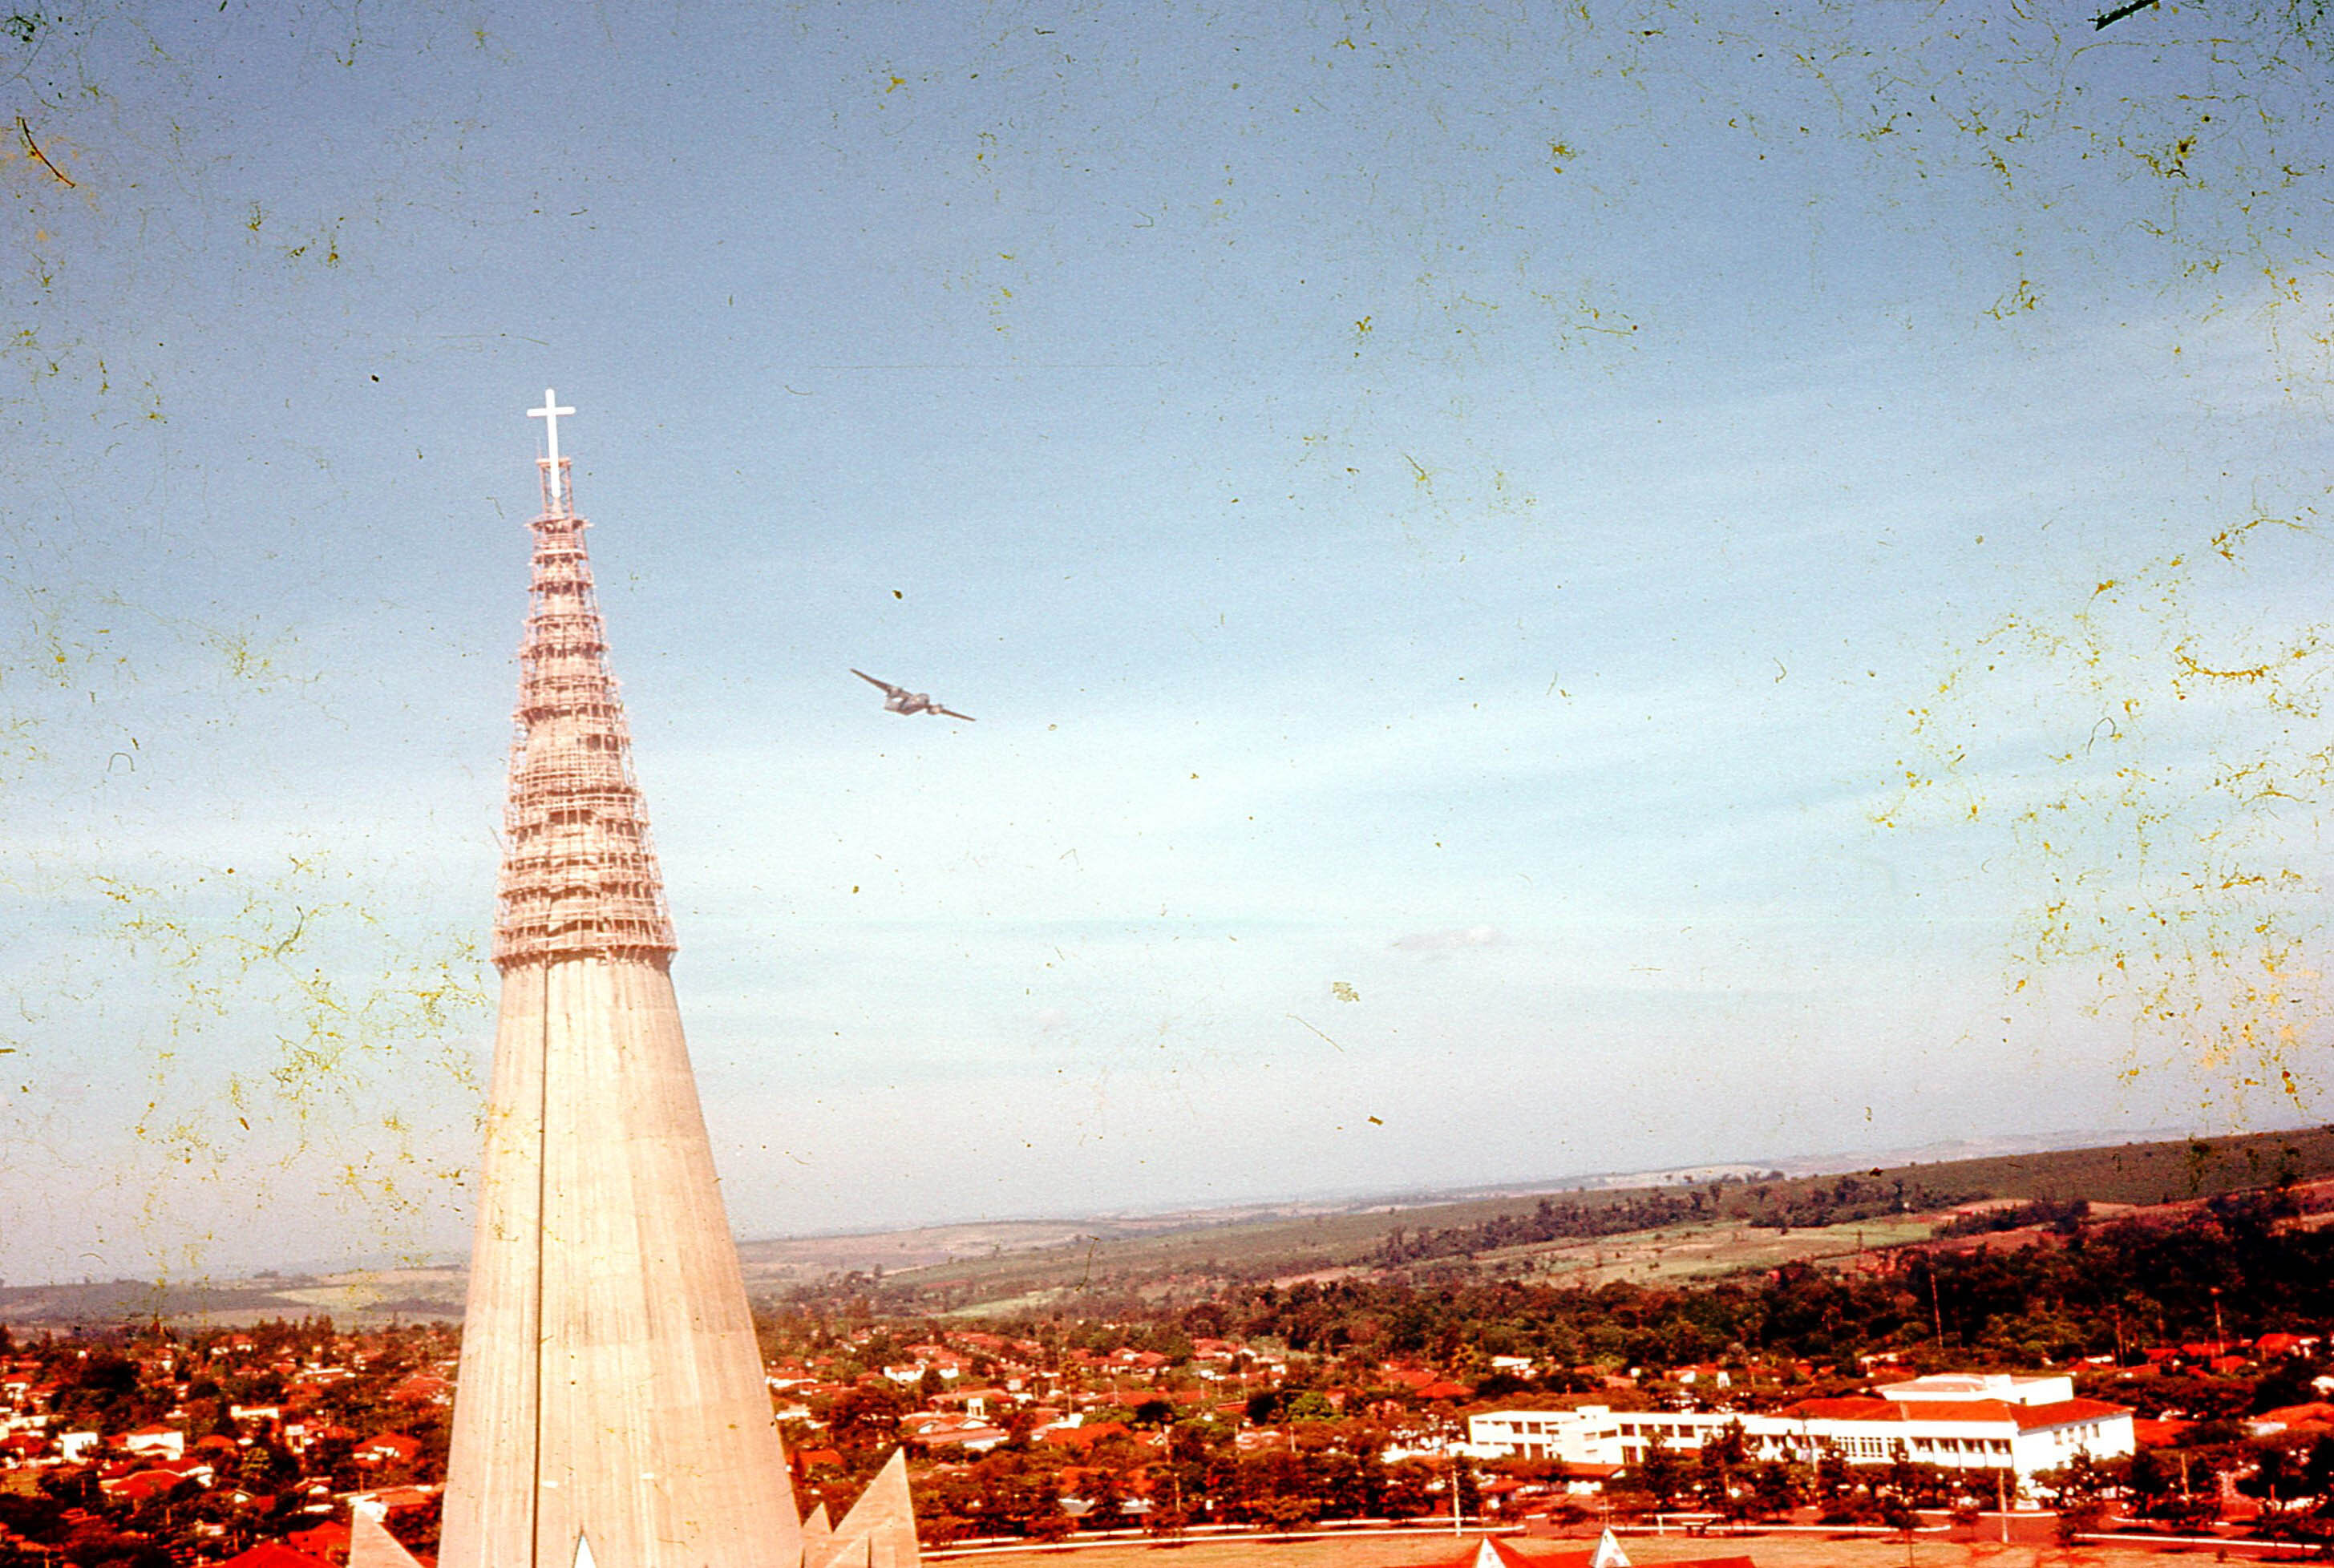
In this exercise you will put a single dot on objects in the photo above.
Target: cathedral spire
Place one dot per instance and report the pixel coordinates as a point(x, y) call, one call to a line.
point(610, 1389)
point(578, 874)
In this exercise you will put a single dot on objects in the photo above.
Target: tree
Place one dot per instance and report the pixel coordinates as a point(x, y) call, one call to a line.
point(2152, 1484)
point(1662, 1474)
point(1109, 1510)
point(1897, 1513)
point(1776, 1488)
point(1833, 1477)
point(866, 1415)
point(2277, 1478)
point(1725, 1454)
point(1311, 1405)
point(2079, 1487)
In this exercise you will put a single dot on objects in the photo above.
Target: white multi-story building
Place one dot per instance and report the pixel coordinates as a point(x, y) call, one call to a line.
point(1993, 1424)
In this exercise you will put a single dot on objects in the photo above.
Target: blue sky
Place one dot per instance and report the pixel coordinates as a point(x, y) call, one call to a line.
point(1610, 538)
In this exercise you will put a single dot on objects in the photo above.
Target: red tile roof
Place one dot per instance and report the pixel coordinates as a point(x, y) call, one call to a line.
point(2317, 1412)
point(329, 1539)
point(274, 1554)
point(1085, 1436)
point(1851, 1409)
point(1987, 1412)
point(2065, 1413)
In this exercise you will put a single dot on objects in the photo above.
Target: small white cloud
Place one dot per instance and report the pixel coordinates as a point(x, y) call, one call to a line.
point(1051, 1019)
point(1443, 941)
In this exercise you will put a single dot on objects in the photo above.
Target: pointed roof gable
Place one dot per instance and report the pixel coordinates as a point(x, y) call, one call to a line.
point(1494, 1552)
point(880, 1530)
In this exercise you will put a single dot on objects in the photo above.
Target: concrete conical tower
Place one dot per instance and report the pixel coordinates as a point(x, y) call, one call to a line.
point(611, 1387)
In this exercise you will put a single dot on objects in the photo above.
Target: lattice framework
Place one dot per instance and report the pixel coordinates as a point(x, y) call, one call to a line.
point(579, 873)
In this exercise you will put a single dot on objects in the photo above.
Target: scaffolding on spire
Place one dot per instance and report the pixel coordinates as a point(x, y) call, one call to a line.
point(579, 874)
point(611, 1388)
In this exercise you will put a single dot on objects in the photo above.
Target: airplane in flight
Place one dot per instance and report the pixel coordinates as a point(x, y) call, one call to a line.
point(901, 700)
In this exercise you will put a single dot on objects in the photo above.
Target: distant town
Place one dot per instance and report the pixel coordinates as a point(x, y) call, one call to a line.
point(2082, 1368)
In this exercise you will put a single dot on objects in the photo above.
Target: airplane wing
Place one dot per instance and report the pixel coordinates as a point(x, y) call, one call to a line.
point(889, 689)
point(953, 713)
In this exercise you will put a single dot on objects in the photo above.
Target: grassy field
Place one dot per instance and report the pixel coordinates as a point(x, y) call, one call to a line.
point(1036, 1265)
point(1191, 1261)
point(1687, 1252)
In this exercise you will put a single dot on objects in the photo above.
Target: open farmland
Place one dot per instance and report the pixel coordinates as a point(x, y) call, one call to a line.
point(1743, 1225)
point(1004, 1267)
point(1702, 1251)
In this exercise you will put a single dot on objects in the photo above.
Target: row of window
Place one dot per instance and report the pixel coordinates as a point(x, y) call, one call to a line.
point(1769, 1443)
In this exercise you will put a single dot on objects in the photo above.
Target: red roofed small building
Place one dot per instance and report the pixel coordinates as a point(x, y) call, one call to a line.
point(329, 1540)
point(423, 1389)
point(274, 1554)
point(387, 1448)
point(141, 1486)
point(1082, 1437)
point(167, 1441)
point(2315, 1417)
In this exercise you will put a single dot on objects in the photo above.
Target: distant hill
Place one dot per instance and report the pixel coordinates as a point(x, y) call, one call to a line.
point(1675, 1230)
point(2154, 1172)
point(358, 1297)
point(1681, 1224)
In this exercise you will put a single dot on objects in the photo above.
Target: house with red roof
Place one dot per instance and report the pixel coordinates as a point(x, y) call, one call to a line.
point(141, 1486)
point(274, 1554)
point(387, 1448)
point(156, 1439)
point(423, 1389)
point(941, 1429)
point(329, 1540)
point(2317, 1416)
point(1082, 1435)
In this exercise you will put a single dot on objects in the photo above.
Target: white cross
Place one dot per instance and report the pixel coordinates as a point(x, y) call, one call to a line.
point(549, 414)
